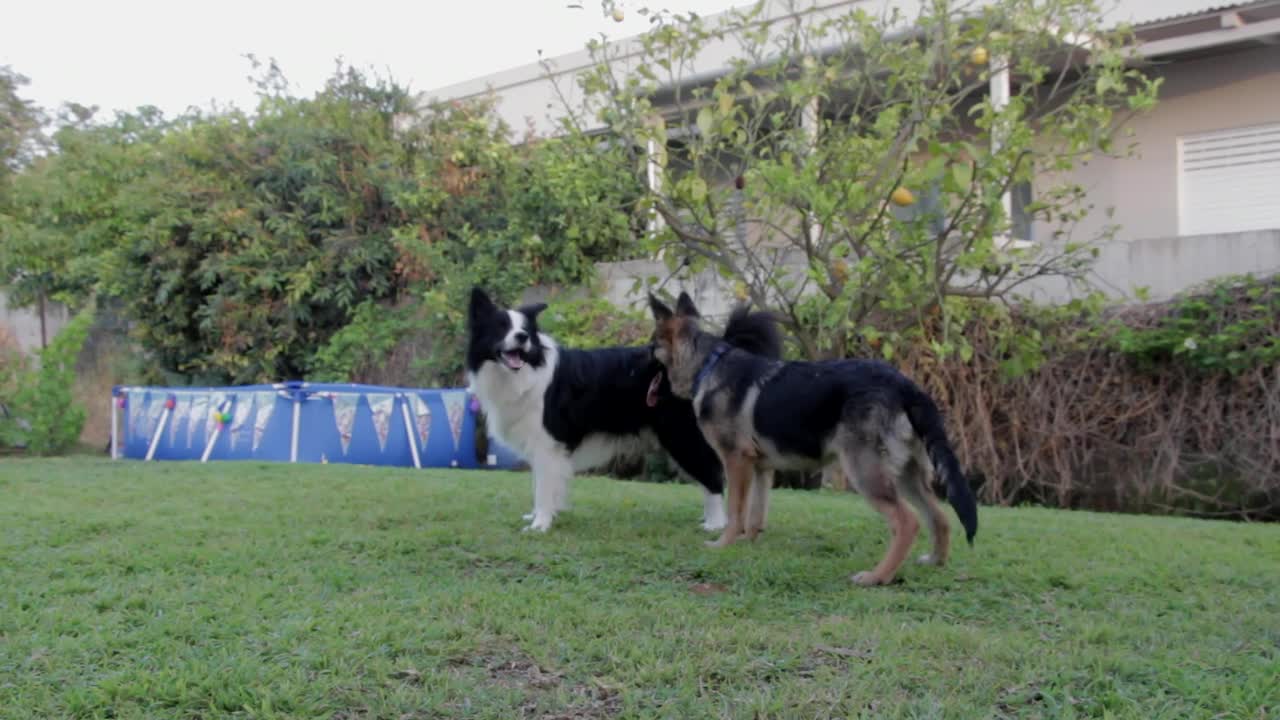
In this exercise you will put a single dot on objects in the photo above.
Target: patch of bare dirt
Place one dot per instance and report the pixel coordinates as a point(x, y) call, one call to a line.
point(512, 669)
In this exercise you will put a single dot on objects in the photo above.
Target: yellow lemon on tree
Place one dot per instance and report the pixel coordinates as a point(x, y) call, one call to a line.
point(617, 14)
point(978, 56)
point(902, 197)
point(840, 271)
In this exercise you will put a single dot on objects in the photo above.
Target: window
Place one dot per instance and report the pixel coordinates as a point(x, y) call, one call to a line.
point(1020, 198)
point(1229, 180)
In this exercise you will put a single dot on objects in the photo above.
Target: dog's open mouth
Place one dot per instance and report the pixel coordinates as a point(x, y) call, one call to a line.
point(651, 398)
point(512, 359)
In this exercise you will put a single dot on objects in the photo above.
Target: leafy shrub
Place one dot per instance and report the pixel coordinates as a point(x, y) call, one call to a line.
point(592, 321)
point(1230, 327)
point(13, 371)
point(365, 342)
point(240, 243)
point(45, 398)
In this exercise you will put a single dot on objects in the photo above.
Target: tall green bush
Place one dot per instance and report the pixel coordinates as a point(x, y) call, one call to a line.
point(45, 416)
point(268, 245)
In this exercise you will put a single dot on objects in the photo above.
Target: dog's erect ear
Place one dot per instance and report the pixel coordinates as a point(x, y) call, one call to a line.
point(481, 305)
point(661, 312)
point(685, 306)
point(531, 311)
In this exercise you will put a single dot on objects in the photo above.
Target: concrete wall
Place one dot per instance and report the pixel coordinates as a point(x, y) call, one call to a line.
point(1166, 266)
point(24, 323)
point(1169, 265)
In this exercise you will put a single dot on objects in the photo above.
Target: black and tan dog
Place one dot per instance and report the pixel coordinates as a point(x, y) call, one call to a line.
point(762, 415)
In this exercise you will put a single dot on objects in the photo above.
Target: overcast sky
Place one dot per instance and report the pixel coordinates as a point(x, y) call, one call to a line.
point(120, 54)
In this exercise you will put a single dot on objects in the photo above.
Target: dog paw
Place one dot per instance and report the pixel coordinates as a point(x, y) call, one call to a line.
point(929, 559)
point(713, 525)
point(866, 578)
point(725, 540)
point(539, 524)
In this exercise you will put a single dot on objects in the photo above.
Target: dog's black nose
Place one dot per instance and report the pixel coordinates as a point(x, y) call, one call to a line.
point(521, 336)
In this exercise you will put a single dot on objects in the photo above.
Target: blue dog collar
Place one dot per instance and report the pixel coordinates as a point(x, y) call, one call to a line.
point(716, 353)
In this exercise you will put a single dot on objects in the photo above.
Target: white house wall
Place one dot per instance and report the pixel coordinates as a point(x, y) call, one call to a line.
point(1215, 93)
point(527, 97)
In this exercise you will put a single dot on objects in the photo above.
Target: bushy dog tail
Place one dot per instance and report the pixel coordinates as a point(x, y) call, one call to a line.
point(756, 332)
point(927, 421)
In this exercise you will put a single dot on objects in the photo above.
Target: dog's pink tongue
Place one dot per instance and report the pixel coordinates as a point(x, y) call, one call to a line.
point(651, 399)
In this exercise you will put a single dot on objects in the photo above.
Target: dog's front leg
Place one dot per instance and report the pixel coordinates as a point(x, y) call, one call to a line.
point(533, 477)
point(738, 470)
point(712, 510)
point(550, 482)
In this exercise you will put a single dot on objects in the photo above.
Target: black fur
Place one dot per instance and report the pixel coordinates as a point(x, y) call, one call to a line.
point(754, 332)
point(604, 390)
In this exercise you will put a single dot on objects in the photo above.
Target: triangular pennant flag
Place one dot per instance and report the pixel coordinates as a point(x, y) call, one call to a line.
point(344, 416)
point(240, 418)
point(155, 409)
point(381, 404)
point(181, 408)
point(217, 404)
point(421, 419)
point(455, 406)
point(264, 403)
point(197, 416)
point(137, 411)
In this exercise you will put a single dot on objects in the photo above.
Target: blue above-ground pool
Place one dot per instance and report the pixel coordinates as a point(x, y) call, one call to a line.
point(302, 422)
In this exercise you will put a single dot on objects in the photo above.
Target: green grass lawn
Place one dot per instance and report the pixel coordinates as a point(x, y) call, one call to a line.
point(184, 591)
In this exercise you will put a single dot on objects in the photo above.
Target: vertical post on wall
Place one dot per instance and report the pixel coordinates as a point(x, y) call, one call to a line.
point(408, 431)
point(809, 125)
point(653, 175)
point(1000, 91)
point(164, 420)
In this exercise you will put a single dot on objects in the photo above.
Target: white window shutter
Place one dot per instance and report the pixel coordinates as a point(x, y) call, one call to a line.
point(1229, 180)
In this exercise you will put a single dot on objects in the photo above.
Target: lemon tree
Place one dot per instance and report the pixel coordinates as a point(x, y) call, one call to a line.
point(854, 171)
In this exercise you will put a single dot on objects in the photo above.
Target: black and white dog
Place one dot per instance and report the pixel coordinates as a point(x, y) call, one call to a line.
point(566, 410)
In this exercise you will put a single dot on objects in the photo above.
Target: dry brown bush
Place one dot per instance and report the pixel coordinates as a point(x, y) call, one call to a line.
point(1091, 428)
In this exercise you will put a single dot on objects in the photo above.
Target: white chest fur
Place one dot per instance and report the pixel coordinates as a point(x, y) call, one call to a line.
point(513, 401)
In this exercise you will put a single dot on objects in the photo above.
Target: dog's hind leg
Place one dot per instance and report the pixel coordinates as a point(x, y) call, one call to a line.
point(875, 481)
point(758, 503)
point(916, 486)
